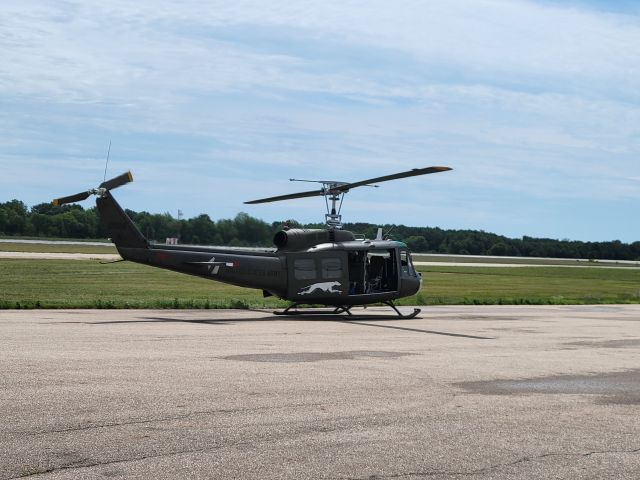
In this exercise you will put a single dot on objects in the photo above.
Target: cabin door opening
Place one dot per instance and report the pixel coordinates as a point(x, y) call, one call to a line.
point(373, 271)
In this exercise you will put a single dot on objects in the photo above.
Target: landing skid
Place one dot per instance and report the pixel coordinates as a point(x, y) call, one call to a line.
point(292, 310)
point(335, 311)
point(413, 314)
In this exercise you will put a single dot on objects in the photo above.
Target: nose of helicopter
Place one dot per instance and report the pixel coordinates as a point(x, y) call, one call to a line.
point(410, 285)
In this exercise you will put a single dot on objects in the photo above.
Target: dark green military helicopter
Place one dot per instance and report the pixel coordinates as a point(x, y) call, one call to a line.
point(331, 267)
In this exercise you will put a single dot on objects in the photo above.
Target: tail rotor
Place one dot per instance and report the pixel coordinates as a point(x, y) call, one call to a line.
point(100, 191)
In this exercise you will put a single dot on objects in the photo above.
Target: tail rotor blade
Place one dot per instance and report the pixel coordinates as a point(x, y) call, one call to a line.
point(100, 191)
point(117, 181)
point(78, 197)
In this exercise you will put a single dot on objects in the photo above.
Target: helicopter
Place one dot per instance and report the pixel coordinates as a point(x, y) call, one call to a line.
point(331, 267)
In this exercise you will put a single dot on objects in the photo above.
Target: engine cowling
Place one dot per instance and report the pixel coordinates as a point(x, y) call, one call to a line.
point(302, 239)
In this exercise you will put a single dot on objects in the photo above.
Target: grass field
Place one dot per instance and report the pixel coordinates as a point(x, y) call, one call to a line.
point(108, 248)
point(88, 284)
point(533, 285)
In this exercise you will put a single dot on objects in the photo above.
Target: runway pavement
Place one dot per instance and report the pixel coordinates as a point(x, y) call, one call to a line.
point(462, 392)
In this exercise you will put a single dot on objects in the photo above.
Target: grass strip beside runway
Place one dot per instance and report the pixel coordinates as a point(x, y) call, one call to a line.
point(89, 284)
point(108, 248)
point(528, 286)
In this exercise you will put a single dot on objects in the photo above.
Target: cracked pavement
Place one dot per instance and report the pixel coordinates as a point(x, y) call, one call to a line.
point(473, 392)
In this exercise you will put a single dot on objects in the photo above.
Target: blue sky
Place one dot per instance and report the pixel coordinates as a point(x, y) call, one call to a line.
point(536, 106)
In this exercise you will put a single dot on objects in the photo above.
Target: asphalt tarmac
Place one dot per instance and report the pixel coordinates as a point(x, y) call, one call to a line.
point(462, 392)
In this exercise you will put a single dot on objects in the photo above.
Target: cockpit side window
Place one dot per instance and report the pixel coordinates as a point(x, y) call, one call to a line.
point(406, 264)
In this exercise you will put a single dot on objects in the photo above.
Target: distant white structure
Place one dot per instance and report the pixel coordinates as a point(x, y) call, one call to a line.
point(172, 241)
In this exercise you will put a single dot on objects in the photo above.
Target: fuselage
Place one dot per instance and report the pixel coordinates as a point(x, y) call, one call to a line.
point(342, 273)
point(329, 267)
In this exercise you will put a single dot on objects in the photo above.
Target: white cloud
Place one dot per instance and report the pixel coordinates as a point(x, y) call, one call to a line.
point(525, 100)
point(90, 51)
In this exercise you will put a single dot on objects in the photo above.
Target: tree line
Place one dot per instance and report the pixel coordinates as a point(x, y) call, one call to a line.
point(73, 221)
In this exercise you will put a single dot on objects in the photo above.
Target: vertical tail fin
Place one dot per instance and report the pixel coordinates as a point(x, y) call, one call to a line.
point(121, 229)
point(129, 241)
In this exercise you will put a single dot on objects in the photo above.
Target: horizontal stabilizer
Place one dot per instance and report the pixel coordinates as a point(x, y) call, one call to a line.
point(227, 264)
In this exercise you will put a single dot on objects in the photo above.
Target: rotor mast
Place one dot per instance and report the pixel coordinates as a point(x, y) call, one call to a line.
point(333, 218)
point(332, 193)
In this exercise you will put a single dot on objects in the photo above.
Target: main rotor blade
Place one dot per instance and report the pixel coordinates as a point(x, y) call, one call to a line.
point(395, 176)
point(348, 186)
point(312, 193)
point(71, 198)
point(117, 181)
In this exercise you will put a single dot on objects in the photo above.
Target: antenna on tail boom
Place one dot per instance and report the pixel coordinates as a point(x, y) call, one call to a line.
point(106, 163)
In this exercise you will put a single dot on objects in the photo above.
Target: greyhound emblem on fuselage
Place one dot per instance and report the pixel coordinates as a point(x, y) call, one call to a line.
point(327, 287)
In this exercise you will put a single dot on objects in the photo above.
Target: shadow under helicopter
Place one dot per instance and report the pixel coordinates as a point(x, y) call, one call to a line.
point(360, 320)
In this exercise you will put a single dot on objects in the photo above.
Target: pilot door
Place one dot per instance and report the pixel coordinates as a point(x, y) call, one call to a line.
point(322, 276)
